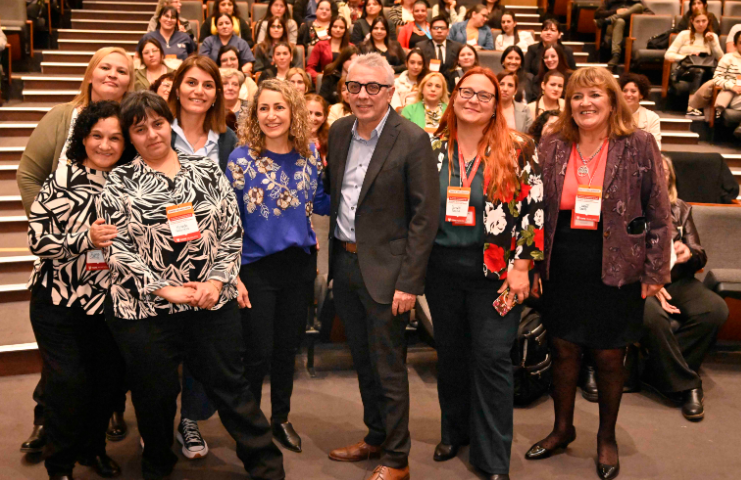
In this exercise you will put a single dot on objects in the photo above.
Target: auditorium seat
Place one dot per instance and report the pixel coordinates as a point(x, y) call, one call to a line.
point(642, 28)
point(719, 228)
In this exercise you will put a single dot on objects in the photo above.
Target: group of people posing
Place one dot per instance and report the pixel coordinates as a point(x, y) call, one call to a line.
point(166, 237)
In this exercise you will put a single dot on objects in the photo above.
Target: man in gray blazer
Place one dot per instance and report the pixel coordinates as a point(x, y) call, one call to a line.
point(385, 195)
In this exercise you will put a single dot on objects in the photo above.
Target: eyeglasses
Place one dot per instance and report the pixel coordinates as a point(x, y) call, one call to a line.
point(373, 88)
point(439, 28)
point(468, 93)
point(277, 27)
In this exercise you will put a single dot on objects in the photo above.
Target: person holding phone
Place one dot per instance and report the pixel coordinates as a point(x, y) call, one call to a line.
point(604, 184)
point(491, 214)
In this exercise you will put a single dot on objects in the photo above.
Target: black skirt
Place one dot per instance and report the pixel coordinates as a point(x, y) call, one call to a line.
point(577, 306)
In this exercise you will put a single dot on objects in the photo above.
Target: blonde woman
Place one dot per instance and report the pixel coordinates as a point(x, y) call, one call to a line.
point(277, 180)
point(432, 100)
point(232, 80)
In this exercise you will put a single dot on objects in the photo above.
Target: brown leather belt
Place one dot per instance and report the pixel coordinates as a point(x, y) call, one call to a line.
point(350, 247)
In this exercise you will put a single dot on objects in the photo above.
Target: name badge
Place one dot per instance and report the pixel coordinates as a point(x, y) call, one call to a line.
point(469, 221)
point(456, 205)
point(435, 65)
point(587, 207)
point(738, 81)
point(472, 41)
point(322, 34)
point(183, 224)
point(94, 261)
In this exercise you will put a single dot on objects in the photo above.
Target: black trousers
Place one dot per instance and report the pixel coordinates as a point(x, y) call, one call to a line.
point(695, 76)
point(674, 357)
point(474, 368)
point(81, 364)
point(376, 340)
point(281, 288)
point(210, 343)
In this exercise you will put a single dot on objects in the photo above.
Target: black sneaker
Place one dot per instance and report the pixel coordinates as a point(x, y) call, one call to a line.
point(194, 446)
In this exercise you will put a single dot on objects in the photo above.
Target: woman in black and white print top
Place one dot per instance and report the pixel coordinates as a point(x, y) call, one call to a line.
point(82, 364)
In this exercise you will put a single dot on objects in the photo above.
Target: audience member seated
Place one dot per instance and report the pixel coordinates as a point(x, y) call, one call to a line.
point(551, 89)
point(496, 10)
point(265, 49)
point(512, 60)
point(350, 10)
point(326, 51)
point(229, 58)
point(516, 113)
point(448, 9)
point(334, 72)
point(474, 31)
point(692, 53)
point(441, 52)
point(432, 100)
point(281, 63)
point(553, 59)
point(304, 11)
point(542, 125)
point(362, 27)
point(511, 35)
point(550, 32)
point(163, 85)
point(318, 29)
point(300, 80)
point(615, 14)
point(682, 321)
point(405, 85)
point(730, 45)
point(697, 6)
point(242, 29)
point(225, 36)
point(232, 81)
point(635, 88)
point(418, 30)
point(183, 24)
point(318, 114)
point(342, 108)
point(176, 44)
point(153, 64)
point(379, 42)
point(402, 13)
point(277, 8)
point(467, 58)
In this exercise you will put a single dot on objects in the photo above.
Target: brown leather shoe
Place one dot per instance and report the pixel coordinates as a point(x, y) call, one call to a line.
point(387, 473)
point(355, 453)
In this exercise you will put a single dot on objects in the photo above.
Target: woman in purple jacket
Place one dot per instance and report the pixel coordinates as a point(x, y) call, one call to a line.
point(607, 238)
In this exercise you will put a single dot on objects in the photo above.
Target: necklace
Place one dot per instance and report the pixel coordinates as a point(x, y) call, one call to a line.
point(583, 171)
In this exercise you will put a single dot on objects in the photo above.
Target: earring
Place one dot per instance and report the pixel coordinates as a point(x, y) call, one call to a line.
point(213, 104)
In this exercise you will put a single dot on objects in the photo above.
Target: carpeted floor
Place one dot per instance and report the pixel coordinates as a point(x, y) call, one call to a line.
point(655, 441)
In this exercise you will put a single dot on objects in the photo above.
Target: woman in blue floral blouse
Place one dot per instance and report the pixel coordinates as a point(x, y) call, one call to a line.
point(276, 177)
point(491, 219)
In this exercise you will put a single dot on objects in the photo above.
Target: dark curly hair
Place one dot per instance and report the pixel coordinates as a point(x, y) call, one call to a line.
point(158, 83)
point(86, 120)
point(536, 129)
point(641, 81)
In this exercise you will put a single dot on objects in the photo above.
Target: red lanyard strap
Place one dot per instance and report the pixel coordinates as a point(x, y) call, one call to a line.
point(465, 179)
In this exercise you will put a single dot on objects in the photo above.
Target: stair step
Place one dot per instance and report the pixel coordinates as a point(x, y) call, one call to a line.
point(582, 65)
point(521, 9)
point(50, 82)
point(86, 45)
point(63, 68)
point(136, 16)
point(75, 56)
point(676, 124)
point(17, 129)
point(59, 96)
point(649, 104)
point(732, 159)
point(16, 270)
point(23, 114)
point(81, 34)
point(10, 154)
point(11, 205)
point(575, 46)
point(685, 138)
point(121, 6)
point(127, 25)
point(581, 57)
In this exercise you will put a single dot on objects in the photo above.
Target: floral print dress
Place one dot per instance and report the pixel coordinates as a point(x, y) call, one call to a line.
point(513, 227)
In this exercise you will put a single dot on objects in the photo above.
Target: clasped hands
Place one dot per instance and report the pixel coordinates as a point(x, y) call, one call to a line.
point(202, 294)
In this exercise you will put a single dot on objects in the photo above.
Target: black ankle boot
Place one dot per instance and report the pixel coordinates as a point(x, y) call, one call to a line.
point(287, 436)
point(117, 429)
point(692, 404)
point(103, 465)
point(36, 442)
point(589, 385)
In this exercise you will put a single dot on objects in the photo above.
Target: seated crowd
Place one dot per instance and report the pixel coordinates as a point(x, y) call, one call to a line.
point(165, 207)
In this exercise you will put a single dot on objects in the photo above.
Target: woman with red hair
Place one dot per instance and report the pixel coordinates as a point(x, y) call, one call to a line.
point(491, 215)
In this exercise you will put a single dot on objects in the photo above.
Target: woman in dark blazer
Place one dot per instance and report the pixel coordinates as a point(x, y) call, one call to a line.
point(602, 262)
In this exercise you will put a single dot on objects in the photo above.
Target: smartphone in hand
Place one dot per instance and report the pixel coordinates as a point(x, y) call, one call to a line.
point(500, 304)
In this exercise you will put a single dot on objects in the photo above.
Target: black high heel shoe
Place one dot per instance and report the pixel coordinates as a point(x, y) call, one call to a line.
point(538, 452)
point(608, 472)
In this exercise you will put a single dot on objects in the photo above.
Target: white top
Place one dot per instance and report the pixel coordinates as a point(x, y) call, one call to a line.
point(336, 112)
point(503, 41)
point(683, 46)
point(210, 149)
point(405, 91)
point(72, 121)
point(649, 122)
point(732, 33)
point(537, 107)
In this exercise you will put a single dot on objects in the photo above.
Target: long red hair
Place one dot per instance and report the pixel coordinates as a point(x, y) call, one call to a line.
point(497, 146)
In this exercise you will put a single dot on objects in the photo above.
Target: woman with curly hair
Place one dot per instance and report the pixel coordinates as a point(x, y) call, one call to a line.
point(70, 279)
point(277, 180)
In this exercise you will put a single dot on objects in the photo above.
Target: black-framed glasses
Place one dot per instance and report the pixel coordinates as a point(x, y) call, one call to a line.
point(373, 88)
point(468, 93)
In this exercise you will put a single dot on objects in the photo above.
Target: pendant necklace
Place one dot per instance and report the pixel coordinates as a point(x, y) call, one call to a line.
point(583, 171)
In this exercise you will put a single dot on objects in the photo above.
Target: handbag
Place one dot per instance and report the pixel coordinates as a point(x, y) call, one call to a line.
point(659, 41)
point(531, 359)
point(704, 61)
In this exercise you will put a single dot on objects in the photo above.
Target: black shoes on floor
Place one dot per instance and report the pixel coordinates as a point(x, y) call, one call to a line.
point(692, 404)
point(287, 436)
point(103, 465)
point(36, 442)
point(117, 429)
point(538, 452)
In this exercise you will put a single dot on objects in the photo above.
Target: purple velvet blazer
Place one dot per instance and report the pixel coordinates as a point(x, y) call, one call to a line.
point(634, 186)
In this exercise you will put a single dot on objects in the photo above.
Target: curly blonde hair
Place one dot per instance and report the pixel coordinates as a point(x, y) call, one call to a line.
point(249, 131)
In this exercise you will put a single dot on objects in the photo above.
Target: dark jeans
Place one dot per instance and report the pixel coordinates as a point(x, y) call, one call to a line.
point(194, 402)
point(474, 367)
point(210, 343)
point(674, 357)
point(695, 76)
point(376, 340)
point(81, 365)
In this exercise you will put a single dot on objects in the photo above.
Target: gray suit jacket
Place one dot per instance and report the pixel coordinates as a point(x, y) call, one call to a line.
point(523, 117)
point(397, 217)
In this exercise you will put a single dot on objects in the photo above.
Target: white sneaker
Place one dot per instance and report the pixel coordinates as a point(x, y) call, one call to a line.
point(194, 446)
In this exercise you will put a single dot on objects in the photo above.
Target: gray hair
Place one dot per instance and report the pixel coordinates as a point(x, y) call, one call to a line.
point(373, 60)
